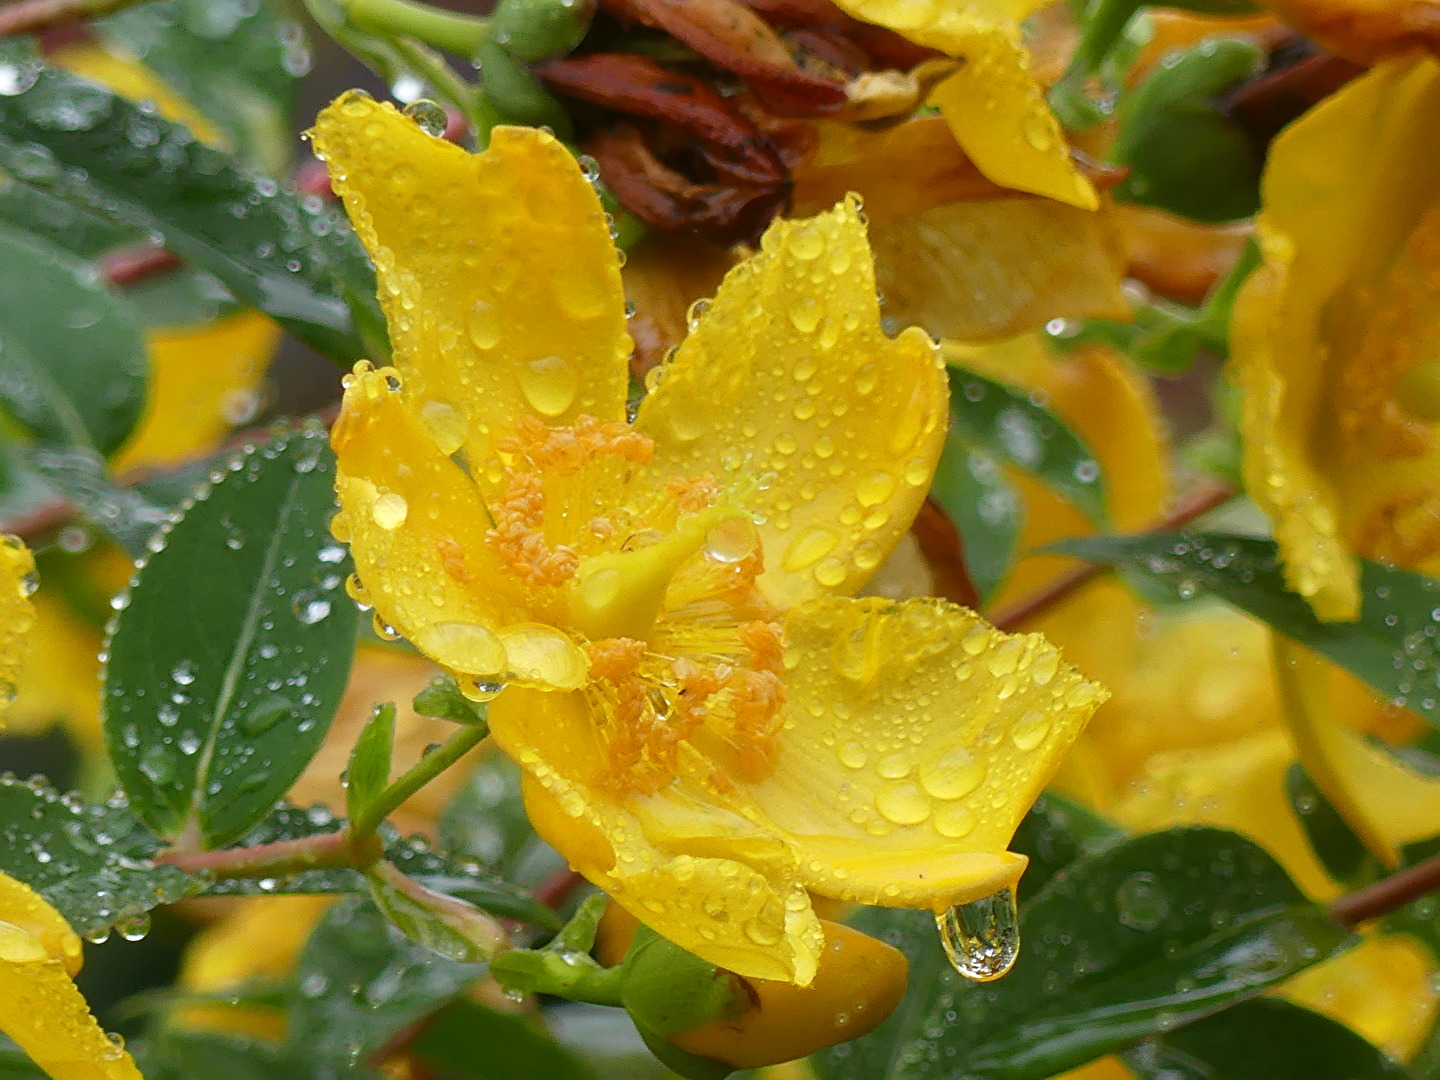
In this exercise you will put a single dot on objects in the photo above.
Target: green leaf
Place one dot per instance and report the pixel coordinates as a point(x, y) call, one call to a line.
point(1263, 1039)
point(369, 769)
point(292, 258)
point(238, 63)
point(91, 862)
point(443, 700)
point(1052, 835)
point(126, 514)
point(1339, 850)
point(72, 354)
point(1184, 154)
point(228, 661)
point(1004, 423)
point(985, 508)
point(1127, 942)
point(454, 873)
point(1392, 646)
point(438, 921)
point(486, 821)
point(357, 982)
point(467, 1041)
point(188, 1055)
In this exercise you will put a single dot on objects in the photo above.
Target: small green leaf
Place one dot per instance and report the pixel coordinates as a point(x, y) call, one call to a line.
point(1126, 943)
point(1394, 646)
point(1263, 1039)
point(369, 769)
point(228, 661)
point(1004, 423)
point(238, 64)
point(291, 258)
point(437, 921)
point(1339, 850)
point(176, 1054)
point(92, 862)
point(358, 981)
point(467, 1041)
point(443, 700)
point(1184, 154)
point(986, 510)
point(72, 354)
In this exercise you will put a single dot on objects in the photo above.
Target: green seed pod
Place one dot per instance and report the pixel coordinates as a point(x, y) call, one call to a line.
point(516, 94)
point(535, 30)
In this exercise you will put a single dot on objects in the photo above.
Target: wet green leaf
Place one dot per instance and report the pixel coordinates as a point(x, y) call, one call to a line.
point(127, 515)
point(92, 862)
point(292, 258)
point(1128, 941)
point(984, 507)
point(239, 63)
point(467, 1041)
point(1339, 850)
point(1394, 646)
point(369, 769)
point(358, 981)
point(228, 661)
point(1008, 426)
point(72, 354)
point(1263, 1039)
point(176, 1054)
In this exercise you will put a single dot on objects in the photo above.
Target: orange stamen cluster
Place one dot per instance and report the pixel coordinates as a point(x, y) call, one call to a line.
point(519, 538)
point(564, 451)
point(693, 493)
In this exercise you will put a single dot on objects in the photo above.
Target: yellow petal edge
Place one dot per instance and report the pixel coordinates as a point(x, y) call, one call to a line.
point(17, 616)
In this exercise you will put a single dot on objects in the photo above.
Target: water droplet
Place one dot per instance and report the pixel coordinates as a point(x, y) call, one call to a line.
point(484, 325)
point(982, 938)
point(852, 755)
point(428, 116)
point(805, 314)
point(1140, 902)
point(550, 384)
point(464, 647)
point(903, 804)
point(830, 573)
point(731, 540)
point(389, 511)
point(444, 424)
point(875, 489)
point(265, 714)
point(1030, 730)
point(810, 549)
point(952, 775)
point(541, 654)
point(806, 241)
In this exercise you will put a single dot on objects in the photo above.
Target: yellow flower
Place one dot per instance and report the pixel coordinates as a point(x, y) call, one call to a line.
point(17, 616)
point(40, 1007)
point(995, 108)
point(1334, 338)
point(709, 728)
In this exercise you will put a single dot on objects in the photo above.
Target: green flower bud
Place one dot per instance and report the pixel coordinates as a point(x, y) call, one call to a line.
point(535, 30)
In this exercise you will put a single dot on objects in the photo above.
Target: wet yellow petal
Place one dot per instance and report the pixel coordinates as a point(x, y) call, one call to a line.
point(1384, 802)
point(788, 391)
point(692, 871)
point(17, 616)
point(131, 79)
point(1384, 989)
point(1346, 304)
point(1113, 408)
point(61, 679)
point(500, 284)
point(977, 271)
point(994, 106)
point(1237, 785)
point(416, 525)
point(203, 382)
point(40, 1007)
point(915, 738)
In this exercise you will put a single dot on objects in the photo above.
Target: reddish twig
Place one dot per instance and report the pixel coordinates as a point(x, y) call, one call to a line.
point(327, 851)
point(34, 16)
point(132, 264)
point(553, 890)
point(1389, 894)
point(1201, 500)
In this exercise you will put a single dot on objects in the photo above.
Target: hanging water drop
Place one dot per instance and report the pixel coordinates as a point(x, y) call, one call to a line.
point(428, 116)
point(982, 938)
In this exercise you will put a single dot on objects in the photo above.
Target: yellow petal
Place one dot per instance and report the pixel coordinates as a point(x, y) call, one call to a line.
point(1237, 785)
point(1384, 802)
point(203, 382)
point(915, 738)
point(17, 616)
point(697, 874)
point(1384, 989)
point(416, 525)
point(1345, 303)
point(131, 79)
point(61, 679)
point(500, 284)
point(994, 106)
point(977, 271)
point(40, 1007)
point(1113, 408)
point(788, 385)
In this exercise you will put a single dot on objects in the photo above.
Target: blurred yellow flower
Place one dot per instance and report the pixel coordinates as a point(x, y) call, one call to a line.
point(709, 728)
point(1334, 338)
point(17, 616)
point(40, 1007)
point(995, 107)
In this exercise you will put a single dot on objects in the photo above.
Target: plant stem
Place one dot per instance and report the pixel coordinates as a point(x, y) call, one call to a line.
point(426, 769)
point(441, 29)
point(1388, 894)
point(327, 851)
point(1195, 503)
point(36, 16)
